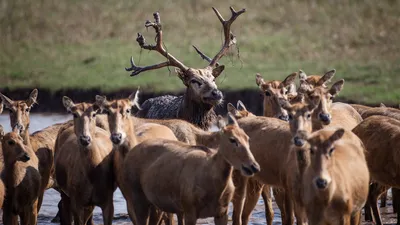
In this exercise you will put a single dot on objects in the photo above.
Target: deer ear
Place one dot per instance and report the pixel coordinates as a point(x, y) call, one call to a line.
point(68, 103)
point(302, 75)
point(259, 80)
point(289, 79)
point(336, 87)
point(221, 122)
point(326, 78)
point(292, 89)
point(231, 108)
point(101, 101)
point(382, 105)
point(218, 70)
point(232, 120)
point(32, 98)
point(6, 101)
point(1, 106)
point(337, 135)
point(240, 106)
point(1, 131)
point(134, 99)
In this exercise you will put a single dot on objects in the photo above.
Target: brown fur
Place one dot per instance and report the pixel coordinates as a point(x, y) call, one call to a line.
point(383, 111)
point(341, 164)
point(42, 142)
point(22, 180)
point(120, 122)
point(273, 92)
point(2, 187)
point(179, 188)
point(381, 136)
point(83, 166)
point(360, 108)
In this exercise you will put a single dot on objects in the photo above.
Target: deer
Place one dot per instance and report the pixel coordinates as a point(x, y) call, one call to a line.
point(41, 142)
point(190, 193)
point(197, 104)
point(2, 187)
point(125, 134)
point(83, 165)
point(21, 179)
point(335, 184)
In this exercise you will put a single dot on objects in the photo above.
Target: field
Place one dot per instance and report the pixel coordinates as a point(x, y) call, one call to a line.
point(71, 44)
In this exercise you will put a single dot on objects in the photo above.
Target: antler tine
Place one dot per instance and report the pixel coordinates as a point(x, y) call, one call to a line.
point(204, 56)
point(171, 60)
point(137, 69)
point(229, 37)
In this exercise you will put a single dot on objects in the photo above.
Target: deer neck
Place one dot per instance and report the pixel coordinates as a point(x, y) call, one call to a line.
point(26, 136)
point(195, 112)
point(206, 138)
point(221, 169)
point(268, 109)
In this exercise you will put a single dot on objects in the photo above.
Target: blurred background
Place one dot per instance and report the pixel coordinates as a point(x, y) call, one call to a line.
point(81, 47)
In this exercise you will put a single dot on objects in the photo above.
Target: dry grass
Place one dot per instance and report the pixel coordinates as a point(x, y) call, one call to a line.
point(85, 44)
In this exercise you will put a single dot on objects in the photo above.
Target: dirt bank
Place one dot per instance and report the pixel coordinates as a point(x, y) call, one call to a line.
point(51, 101)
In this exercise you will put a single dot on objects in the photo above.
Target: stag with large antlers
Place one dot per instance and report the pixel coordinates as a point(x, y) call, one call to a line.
point(202, 94)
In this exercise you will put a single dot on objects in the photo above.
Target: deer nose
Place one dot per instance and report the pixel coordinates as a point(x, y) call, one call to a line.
point(325, 117)
point(283, 117)
point(321, 183)
point(217, 94)
point(85, 140)
point(25, 158)
point(116, 138)
point(255, 168)
point(298, 141)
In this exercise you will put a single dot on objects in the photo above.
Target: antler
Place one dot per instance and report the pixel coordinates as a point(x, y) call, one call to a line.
point(230, 39)
point(171, 60)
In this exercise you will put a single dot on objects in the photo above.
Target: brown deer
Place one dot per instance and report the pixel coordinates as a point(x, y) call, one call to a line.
point(2, 187)
point(179, 188)
point(381, 152)
point(335, 184)
point(202, 94)
point(83, 166)
point(21, 178)
point(41, 142)
point(125, 134)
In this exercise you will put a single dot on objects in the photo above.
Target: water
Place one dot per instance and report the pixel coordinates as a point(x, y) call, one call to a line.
point(51, 197)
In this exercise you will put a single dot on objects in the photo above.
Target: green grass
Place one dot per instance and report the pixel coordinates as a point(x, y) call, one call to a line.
point(87, 44)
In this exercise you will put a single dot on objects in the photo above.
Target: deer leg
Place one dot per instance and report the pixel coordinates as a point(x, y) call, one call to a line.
point(396, 199)
point(356, 218)
point(253, 193)
point(131, 212)
point(269, 211)
point(375, 191)
point(191, 218)
point(368, 211)
point(279, 195)
point(180, 219)
point(288, 209)
point(157, 216)
point(142, 208)
point(238, 200)
point(345, 220)
point(108, 211)
point(383, 199)
point(222, 220)
point(88, 215)
point(65, 210)
point(9, 218)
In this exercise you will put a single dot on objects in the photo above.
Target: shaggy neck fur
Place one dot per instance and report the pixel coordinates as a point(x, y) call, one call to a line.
point(197, 113)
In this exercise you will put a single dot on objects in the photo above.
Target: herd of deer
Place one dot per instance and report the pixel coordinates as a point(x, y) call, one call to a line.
point(324, 161)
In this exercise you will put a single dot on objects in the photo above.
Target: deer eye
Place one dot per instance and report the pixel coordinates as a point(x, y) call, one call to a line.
point(128, 111)
point(27, 109)
point(94, 115)
point(308, 115)
point(233, 141)
point(11, 142)
point(195, 82)
point(331, 151)
point(267, 93)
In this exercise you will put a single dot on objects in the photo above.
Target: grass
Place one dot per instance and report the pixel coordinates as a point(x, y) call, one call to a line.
point(87, 44)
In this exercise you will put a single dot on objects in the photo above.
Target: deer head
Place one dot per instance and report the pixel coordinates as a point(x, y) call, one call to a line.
point(235, 147)
point(322, 147)
point(20, 109)
point(300, 119)
point(275, 91)
point(308, 83)
point(119, 116)
point(240, 111)
point(84, 120)
point(200, 83)
point(14, 148)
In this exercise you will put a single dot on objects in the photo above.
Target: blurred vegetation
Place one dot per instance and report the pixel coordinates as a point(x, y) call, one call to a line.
point(86, 44)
